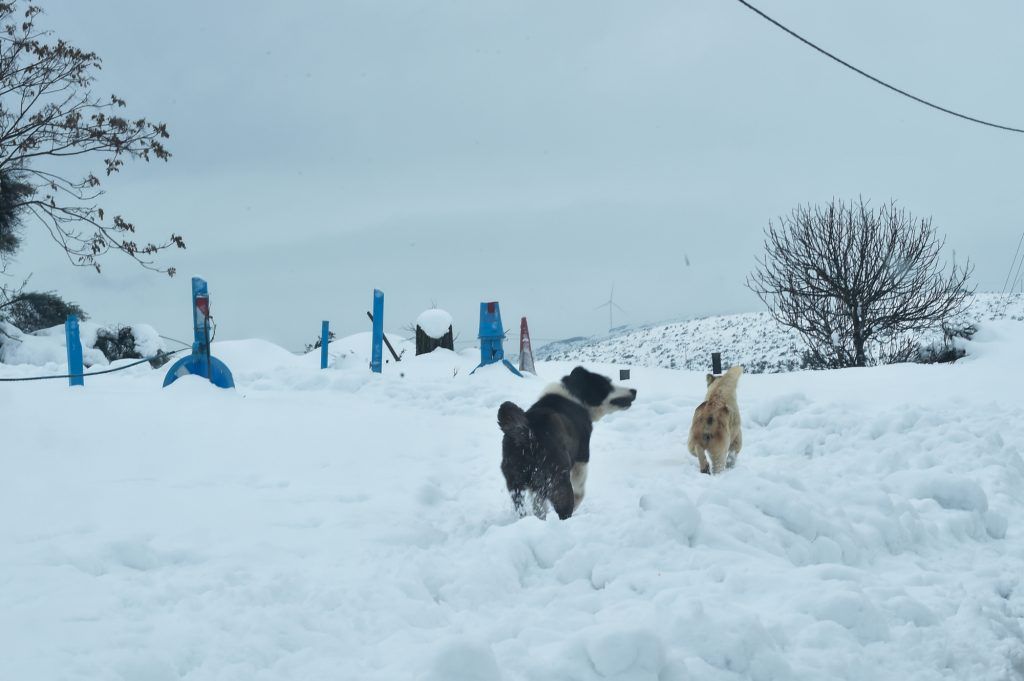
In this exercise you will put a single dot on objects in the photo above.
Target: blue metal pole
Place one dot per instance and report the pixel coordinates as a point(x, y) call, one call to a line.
point(74, 342)
point(324, 334)
point(377, 349)
point(199, 291)
point(200, 362)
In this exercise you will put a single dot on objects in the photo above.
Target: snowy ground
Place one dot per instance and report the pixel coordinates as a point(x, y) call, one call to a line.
point(338, 525)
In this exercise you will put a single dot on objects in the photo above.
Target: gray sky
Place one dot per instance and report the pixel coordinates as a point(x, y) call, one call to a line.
point(534, 152)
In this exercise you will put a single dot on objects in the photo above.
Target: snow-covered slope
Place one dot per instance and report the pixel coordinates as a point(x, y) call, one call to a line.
point(752, 339)
point(340, 525)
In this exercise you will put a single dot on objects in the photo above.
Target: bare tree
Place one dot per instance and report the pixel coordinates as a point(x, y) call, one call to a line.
point(854, 281)
point(48, 115)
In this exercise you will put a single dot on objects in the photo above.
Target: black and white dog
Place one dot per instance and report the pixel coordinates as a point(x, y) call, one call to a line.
point(546, 449)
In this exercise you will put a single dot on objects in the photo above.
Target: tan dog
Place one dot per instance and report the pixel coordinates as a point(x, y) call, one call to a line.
point(715, 436)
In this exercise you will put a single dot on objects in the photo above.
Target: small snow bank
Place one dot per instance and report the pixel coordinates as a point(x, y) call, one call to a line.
point(354, 351)
point(22, 348)
point(435, 323)
point(48, 347)
point(254, 353)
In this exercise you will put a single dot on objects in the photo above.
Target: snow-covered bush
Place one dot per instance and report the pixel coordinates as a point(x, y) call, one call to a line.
point(39, 310)
point(117, 342)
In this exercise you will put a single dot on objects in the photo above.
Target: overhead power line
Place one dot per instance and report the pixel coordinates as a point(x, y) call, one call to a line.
point(877, 80)
point(1010, 273)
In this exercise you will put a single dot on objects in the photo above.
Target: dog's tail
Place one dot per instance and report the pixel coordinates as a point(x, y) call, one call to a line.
point(512, 421)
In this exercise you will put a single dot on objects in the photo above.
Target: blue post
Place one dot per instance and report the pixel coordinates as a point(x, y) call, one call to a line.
point(377, 349)
point(492, 333)
point(75, 367)
point(324, 334)
point(201, 362)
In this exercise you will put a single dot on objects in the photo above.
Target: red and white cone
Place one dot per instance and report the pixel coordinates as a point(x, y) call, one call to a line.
point(525, 349)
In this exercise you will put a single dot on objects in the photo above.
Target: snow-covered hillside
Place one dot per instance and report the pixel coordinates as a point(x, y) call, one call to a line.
point(753, 340)
point(340, 525)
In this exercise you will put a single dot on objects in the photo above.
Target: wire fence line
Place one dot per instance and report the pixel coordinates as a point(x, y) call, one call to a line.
point(160, 356)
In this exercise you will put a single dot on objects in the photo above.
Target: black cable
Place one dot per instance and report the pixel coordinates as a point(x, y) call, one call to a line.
point(876, 80)
point(187, 345)
point(1012, 263)
point(93, 373)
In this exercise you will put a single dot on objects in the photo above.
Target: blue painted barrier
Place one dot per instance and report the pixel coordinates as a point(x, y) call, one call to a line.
point(492, 333)
point(377, 348)
point(75, 365)
point(324, 333)
point(201, 362)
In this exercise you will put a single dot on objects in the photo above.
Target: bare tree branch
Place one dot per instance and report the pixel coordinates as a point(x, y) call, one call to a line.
point(854, 281)
point(48, 112)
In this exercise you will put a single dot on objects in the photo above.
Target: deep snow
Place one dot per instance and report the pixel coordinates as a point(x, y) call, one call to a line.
point(340, 525)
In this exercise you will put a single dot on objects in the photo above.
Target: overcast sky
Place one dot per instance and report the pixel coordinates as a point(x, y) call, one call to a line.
point(532, 152)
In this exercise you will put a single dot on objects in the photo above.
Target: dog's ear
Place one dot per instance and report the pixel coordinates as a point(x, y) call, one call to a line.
point(711, 378)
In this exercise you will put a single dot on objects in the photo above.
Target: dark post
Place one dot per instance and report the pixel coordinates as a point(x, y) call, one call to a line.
point(623, 374)
point(716, 363)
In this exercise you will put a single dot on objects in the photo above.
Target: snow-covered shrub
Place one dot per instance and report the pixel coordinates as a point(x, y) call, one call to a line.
point(117, 342)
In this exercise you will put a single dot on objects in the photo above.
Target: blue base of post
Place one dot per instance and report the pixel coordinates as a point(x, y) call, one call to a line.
point(195, 365)
point(507, 363)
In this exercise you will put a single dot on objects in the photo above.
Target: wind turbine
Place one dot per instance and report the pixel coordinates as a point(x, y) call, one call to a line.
point(611, 304)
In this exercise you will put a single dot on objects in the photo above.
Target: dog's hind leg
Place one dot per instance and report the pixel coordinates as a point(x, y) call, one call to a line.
point(734, 449)
point(540, 505)
point(517, 500)
point(703, 458)
point(705, 461)
point(563, 499)
point(578, 480)
point(718, 456)
point(698, 453)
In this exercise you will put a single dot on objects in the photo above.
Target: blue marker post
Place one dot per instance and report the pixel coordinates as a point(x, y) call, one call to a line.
point(201, 362)
point(75, 366)
point(492, 333)
point(377, 348)
point(324, 334)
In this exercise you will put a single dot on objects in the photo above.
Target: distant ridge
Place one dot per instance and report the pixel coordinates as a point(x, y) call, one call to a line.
point(752, 339)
